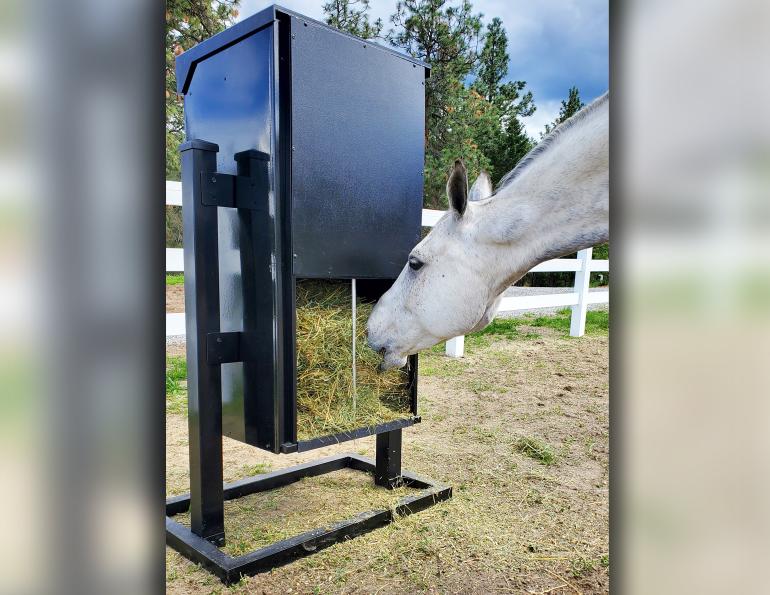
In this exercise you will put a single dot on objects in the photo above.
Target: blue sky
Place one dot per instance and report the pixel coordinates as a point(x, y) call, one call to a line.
point(553, 44)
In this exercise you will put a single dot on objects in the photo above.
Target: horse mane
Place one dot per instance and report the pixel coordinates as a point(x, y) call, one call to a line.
point(549, 140)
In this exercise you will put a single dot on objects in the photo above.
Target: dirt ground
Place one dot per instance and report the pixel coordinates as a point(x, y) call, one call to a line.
point(519, 428)
point(174, 298)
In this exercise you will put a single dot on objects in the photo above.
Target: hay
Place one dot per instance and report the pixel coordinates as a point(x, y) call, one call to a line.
point(325, 362)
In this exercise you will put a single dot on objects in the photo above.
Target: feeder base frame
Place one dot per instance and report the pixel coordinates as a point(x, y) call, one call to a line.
point(230, 569)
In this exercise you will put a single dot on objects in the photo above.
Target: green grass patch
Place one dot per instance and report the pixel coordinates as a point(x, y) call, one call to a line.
point(258, 469)
point(172, 385)
point(535, 449)
point(475, 343)
point(176, 367)
point(174, 278)
point(176, 385)
point(434, 363)
point(597, 323)
point(509, 328)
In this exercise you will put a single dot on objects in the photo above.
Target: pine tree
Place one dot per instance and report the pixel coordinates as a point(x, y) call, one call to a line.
point(509, 143)
point(513, 145)
point(569, 107)
point(446, 37)
point(493, 61)
point(345, 16)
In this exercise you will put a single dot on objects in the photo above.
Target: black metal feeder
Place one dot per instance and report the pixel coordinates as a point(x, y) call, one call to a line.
point(305, 162)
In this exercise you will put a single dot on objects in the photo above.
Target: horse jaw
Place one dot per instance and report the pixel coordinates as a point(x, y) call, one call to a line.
point(489, 315)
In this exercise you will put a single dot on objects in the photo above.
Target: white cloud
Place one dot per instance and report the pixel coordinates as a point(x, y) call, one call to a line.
point(545, 114)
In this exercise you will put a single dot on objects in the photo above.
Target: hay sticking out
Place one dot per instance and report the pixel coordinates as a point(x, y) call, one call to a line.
point(325, 365)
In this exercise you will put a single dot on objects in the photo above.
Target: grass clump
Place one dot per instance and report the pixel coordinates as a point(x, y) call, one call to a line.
point(581, 566)
point(174, 278)
point(535, 449)
point(176, 385)
point(257, 469)
point(325, 403)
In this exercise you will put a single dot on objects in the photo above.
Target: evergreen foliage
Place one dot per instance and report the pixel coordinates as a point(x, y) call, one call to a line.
point(351, 16)
point(569, 107)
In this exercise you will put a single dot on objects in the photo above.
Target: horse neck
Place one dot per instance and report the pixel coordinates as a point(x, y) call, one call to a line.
point(557, 205)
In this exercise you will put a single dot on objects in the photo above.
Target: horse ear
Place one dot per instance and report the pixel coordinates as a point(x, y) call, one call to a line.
point(482, 187)
point(457, 188)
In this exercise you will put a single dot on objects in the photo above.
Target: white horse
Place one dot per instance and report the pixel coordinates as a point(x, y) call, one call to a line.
point(554, 202)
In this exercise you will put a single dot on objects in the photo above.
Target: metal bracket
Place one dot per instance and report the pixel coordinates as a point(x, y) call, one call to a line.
point(235, 192)
point(235, 346)
point(223, 348)
point(217, 190)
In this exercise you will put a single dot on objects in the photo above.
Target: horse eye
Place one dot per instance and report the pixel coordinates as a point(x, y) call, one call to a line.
point(415, 263)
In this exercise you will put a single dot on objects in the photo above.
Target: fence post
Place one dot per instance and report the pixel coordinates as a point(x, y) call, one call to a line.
point(456, 347)
point(577, 327)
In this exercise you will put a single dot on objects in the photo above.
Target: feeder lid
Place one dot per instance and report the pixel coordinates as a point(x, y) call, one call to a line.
point(186, 62)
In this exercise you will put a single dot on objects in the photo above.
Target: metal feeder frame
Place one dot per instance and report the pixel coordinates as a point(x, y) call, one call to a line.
point(207, 195)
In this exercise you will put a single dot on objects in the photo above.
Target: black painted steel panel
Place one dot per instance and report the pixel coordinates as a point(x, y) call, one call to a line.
point(357, 160)
point(230, 101)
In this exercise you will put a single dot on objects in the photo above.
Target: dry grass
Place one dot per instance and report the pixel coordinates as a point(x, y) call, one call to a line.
point(515, 523)
point(260, 519)
point(325, 403)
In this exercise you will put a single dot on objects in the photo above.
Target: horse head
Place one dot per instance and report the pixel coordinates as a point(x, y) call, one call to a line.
point(554, 202)
point(446, 263)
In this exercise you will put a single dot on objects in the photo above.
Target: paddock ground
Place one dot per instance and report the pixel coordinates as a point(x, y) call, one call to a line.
point(519, 428)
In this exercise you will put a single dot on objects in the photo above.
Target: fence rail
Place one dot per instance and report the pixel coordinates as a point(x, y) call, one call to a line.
point(578, 300)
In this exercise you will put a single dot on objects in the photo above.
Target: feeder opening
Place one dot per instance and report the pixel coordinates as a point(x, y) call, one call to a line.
point(339, 386)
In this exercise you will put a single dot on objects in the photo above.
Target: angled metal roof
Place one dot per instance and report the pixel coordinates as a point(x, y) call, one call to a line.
point(185, 62)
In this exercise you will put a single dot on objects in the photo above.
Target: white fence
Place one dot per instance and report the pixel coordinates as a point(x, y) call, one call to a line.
point(579, 299)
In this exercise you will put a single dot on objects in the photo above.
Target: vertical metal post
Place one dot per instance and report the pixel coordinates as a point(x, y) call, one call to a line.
point(261, 301)
point(353, 308)
point(388, 459)
point(204, 381)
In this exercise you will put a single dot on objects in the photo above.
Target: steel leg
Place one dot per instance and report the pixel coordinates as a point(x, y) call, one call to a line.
point(388, 462)
point(204, 381)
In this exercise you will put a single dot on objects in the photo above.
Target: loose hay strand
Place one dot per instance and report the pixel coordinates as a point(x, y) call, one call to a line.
point(325, 365)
